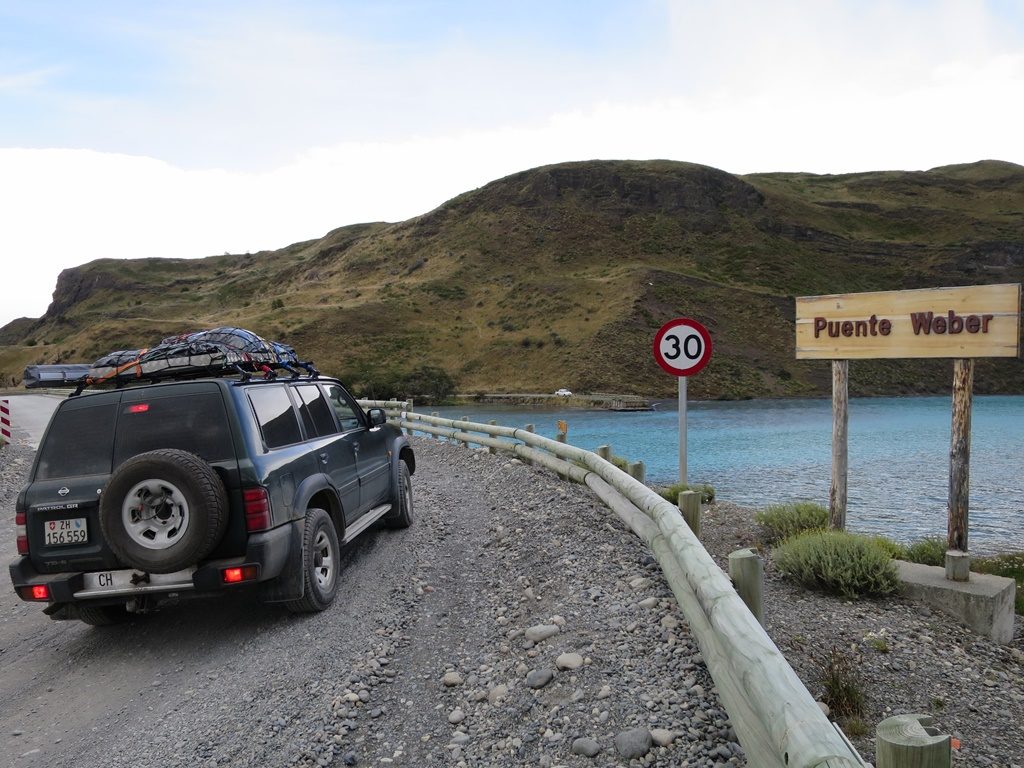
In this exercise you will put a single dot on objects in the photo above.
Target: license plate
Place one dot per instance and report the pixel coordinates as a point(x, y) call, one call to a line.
point(57, 533)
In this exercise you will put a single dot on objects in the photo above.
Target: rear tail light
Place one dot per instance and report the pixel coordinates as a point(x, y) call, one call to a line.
point(257, 509)
point(21, 532)
point(37, 592)
point(239, 574)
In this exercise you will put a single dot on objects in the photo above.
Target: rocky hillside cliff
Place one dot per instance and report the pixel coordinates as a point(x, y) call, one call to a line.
point(559, 276)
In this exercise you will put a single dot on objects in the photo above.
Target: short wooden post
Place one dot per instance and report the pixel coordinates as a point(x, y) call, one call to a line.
point(840, 418)
point(909, 741)
point(466, 443)
point(959, 471)
point(605, 452)
point(689, 505)
point(434, 413)
point(638, 470)
point(563, 431)
point(492, 423)
point(529, 462)
point(746, 569)
point(410, 410)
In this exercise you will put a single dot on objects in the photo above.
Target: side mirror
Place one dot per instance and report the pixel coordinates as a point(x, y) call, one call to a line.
point(377, 417)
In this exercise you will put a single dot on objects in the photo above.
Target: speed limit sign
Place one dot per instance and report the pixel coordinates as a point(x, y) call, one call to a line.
point(682, 347)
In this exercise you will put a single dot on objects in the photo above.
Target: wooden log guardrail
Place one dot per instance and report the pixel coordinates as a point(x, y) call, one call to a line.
point(778, 722)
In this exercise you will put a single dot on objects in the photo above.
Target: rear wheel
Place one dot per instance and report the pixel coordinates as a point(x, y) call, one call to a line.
point(400, 515)
point(320, 563)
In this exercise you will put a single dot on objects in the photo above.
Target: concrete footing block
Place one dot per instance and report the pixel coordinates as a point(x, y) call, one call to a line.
point(984, 603)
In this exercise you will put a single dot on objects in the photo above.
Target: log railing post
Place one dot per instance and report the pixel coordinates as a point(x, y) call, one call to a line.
point(492, 423)
point(689, 505)
point(909, 741)
point(840, 417)
point(746, 569)
point(529, 428)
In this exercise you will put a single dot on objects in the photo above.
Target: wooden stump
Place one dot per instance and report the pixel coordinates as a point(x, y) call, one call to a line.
point(909, 741)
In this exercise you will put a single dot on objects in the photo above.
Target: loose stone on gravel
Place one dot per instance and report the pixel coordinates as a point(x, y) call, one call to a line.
point(633, 743)
point(663, 737)
point(452, 679)
point(542, 632)
point(586, 747)
point(456, 716)
point(538, 678)
point(569, 661)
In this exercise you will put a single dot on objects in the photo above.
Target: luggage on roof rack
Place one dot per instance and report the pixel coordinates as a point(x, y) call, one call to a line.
point(214, 352)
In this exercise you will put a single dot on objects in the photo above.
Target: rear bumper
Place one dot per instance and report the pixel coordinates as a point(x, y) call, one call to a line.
point(267, 552)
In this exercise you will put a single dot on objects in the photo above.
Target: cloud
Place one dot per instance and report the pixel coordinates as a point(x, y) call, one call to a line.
point(277, 130)
point(28, 80)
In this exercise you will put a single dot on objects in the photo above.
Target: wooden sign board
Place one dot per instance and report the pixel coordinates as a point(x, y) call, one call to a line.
point(966, 322)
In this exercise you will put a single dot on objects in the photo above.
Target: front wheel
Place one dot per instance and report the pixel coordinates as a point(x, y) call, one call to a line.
point(320, 562)
point(400, 515)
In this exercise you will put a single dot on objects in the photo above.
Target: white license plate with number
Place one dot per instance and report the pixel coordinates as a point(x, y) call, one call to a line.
point(70, 531)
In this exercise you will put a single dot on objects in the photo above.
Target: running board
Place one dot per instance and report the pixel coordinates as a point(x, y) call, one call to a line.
point(365, 522)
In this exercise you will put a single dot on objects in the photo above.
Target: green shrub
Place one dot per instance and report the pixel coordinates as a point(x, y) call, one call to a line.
point(1009, 565)
point(930, 551)
point(839, 562)
point(707, 492)
point(780, 521)
point(894, 549)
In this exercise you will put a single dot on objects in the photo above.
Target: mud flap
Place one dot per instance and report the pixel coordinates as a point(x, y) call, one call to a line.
point(290, 584)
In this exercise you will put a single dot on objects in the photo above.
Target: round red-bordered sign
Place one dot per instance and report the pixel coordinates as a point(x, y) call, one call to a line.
point(682, 347)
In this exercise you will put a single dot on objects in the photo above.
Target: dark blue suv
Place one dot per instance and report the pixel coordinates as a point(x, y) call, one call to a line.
point(149, 493)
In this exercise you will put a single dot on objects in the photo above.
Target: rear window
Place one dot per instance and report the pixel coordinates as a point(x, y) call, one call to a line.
point(79, 442)
point(195, 422)
point(275, 415)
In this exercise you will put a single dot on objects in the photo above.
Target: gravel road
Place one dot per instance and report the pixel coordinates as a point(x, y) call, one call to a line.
point(516, 623)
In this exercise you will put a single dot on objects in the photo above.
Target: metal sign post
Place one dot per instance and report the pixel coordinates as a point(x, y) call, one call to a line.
point(682, 429)
point(682, 347)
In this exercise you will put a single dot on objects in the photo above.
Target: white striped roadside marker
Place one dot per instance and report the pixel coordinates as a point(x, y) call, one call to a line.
point(5, 422)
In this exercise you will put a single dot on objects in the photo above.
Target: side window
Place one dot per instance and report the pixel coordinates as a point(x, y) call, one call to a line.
point(316, 413)
point(343, 408)
point(275, 415)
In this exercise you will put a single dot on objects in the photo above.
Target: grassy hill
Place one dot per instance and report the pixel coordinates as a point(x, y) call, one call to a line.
point(559, 276)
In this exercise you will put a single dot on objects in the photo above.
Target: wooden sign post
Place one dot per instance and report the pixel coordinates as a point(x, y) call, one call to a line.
point(959, 323)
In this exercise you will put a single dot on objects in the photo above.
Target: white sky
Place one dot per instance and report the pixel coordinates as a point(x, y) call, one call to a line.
point(240, 125)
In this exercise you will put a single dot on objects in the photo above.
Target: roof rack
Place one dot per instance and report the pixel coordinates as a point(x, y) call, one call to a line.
point(218, 352)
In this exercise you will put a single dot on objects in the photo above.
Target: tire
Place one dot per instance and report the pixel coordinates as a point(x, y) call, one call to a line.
point(321, 559)
point(401, 512)
point(163, 511)
point(102, 615)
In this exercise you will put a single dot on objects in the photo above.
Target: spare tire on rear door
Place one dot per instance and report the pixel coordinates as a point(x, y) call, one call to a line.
point(163, 511)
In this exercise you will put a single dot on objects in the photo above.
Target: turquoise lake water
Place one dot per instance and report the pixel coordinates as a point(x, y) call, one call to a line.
point(760, 452)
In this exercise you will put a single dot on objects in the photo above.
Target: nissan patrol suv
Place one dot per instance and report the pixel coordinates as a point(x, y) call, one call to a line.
point(151, 493)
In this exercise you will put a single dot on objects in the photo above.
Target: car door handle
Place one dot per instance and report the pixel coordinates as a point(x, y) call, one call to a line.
point(323, 458)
